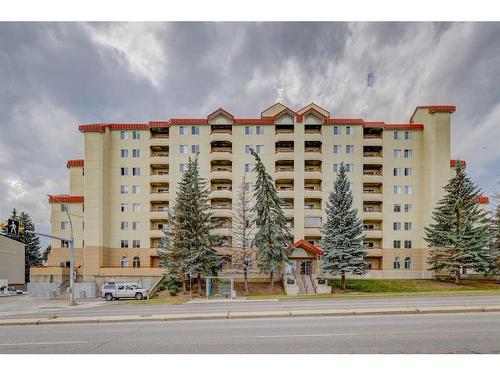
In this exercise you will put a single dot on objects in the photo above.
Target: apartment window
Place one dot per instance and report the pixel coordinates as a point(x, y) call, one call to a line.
point(397, 263)
point(397, 135)
point(259, 149)
point(136, 153)
point(259, 130)
point(195, 149)
point(396, 225)
point(183, 130)
point(247, 149)
point(408, 135)
point(397, 190)
point(397, 171)
point(64, 225)
point(124, 189)
point(135, 225)
point(408, 190)
point(124, 225)
point(397, 154)
point(397, 244)
point(136, 262)
point(336, 168)
point(407, 244)
point(124, 171)
point(408, 171)
point(123, 135)
point(408, 154)
point(337, 149)
point(248, 130)
point(397, 208)
point(136, 171)
point(407, 263)
point(195, 130)
point(64, 207)
point(248, 167)
point(312, 222)
point(349, 130)
point(123, 244)
point(369, 245)
point(407, 226)
point(349, 149)
point(336, 130)
point(124, 153)
point(124, 207)
point(183, 149)
point(247, 186)
point(136, 135)
point(408, 207)
point(64, 243)
point(136, 243)
point(349, 167)
point(136, 207)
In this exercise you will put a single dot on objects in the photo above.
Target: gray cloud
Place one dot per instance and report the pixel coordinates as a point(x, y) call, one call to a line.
point(56, 75)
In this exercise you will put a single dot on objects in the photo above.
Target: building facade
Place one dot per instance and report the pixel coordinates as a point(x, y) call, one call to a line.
point(128, 176)
point(11, 261)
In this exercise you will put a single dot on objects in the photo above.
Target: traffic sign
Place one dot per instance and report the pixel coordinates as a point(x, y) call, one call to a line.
point(13, 227)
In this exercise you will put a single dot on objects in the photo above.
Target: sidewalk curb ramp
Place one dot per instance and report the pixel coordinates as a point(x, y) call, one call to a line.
point(250, 315)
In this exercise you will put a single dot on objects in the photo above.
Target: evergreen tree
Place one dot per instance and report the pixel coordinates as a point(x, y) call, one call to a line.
point(342, 240)
point(46, 253)
point(496, 228)
point(460, 236)
point(32, 256)
point(273, 236)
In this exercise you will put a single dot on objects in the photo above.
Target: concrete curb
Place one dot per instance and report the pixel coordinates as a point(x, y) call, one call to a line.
point(250, 315)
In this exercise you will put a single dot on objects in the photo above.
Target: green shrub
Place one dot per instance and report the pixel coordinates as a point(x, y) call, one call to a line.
point(173, 290)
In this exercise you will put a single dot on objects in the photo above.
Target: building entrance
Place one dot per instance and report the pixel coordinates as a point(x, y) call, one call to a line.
point(305, 267)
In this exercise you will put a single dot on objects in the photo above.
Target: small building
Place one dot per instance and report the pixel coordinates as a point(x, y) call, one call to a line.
point(11, 261)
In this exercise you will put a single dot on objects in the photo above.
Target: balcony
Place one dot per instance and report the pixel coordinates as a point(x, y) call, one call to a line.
point(221, 169)
point(312, 169)
point(158, 136)
point(158, 225)
point(312, 188)
point(283, 146)
point(372, 210)
point(287, 206)
point(372, 234)
point(313, 150)
point(313, 240)
point(158, 210)
point(312, 132)
point(373, 136)
point(221, 147)
point(311, 204)
point(372, 154)
point(221, 207)
point(221, 188)
point(159, 154)
point(216, 130)
point(284, 131)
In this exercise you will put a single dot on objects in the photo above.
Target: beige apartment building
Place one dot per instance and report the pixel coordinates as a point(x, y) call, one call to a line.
point(119, 191)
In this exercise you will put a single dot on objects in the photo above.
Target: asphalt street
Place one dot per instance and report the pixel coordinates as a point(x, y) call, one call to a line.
point(26, 307)
point(442, 333)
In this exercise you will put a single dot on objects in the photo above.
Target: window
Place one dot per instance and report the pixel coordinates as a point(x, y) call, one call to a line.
point(408, 171)
point(124, 153)
point(136, 171)
point(183, 130)
point(136, 135)
point(349, 167)
point(136, 262)
point(337, 149)
point(124, 261)
point(259, 130)
point(135, 225)
point(124, 225)
point(259, 149)
point(195, 149)
point(136, 244)
point(124, 244)
point(408, 135)
point(64, 225)
point(123, 135)
point(136, 207)
point(397, 171)
point(247, 186)
point(396, 226)
point(183, 149)
point(195, 130)
point(336, 130)
point(136, 153)
point(336, 168)
point(183, 167)
point(368, 244)
point(124, 207)
point(248, 130)
point(312, 222)
point(397, 154)
point(397, 135)
point(397, 190)
point(247, 149)
point(407, 226)
point(408, 154)
point(408, 207)
point(407, 244)
point(124, 189)
point(397, 208)
point(136, 189)
point(407, 263)
point(64, 207)
point(349, 130)
point(397, 263)
point(349, 149)
point(124, 171)
point(397, 244)
point(408, 190)
point(64, 243)
point(248, 167)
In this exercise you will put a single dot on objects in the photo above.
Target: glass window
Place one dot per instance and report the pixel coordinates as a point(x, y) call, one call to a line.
point(64, 207)
point(259, 149)
point(136, 135)
point(195, 130)
point(397, 263)
point(183, 149)
point(407, 263)
point(259, 130)
point(397, 208)
point(136, 262)
point(407, 226)
point(136, 153)
point(408, 190)
point(123, 261)
point(124, 171)
point(124, 189)
point(135, 225)
point(408, 207)
point(183, 130)
point(136, 244)
point(136, 189)
point(337, 149)
point(195, 149)
point(349, 149)
point(124, 153)
point(136, 171)
point(408, 171)
point(336, 168)
point(312, 222)
point(349, 130)
point(64, 225)
point(397, 171)
point(349, 167)
point(136, 207)
point(397, 154)
point(124, 225)
point(124, 244)
point(397, 135)
point(183, 167)
point(408, 154)
point(247, 149)
point(64, 243)
point(397, 190)
point(336, 130)
point(124, 207)
point(123, 135)
point(397, 244)
point(397, 226)
point(408, 135)
point(248, 167)
point(407, 244)
point(248, 130)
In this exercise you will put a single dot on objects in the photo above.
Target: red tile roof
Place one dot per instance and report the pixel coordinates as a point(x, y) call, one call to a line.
point(453, 163)
point(303, 244)
point(482, 200)
point(66, 198)
point(435, 108)
point(74, 163)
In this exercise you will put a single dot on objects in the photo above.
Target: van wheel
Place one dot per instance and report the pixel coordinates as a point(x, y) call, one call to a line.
point(138, 296)
point(109, 297)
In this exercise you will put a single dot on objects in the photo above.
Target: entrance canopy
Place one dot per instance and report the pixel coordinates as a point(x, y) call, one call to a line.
point(303, 249)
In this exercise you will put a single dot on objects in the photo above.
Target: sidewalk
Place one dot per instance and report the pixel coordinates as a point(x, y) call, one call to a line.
point(251, 315)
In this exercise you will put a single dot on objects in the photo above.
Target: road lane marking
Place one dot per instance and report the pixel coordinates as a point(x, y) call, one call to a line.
point(45, 343)
point(309, 335)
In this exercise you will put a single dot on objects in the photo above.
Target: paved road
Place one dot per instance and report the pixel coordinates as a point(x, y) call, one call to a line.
point(25, 307)
point(442, 333)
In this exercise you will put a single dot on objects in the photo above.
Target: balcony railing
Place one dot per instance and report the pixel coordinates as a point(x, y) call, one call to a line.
point(312, 149)
point(284, 149)
point(287, 187)
point(221, 149)
point(284, 169)
point(159, 136)
point(221, 169)
point(159, 173)
point(312, 169)
point(372, 172)
point(372, 154)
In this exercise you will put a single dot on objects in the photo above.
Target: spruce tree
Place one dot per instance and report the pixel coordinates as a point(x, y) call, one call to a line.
point(342, 240)
point(460, 235)
point(273, 236)
point(32, 256)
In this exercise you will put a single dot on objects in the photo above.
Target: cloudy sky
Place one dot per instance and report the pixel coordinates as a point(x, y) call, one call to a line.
point(54, 76)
